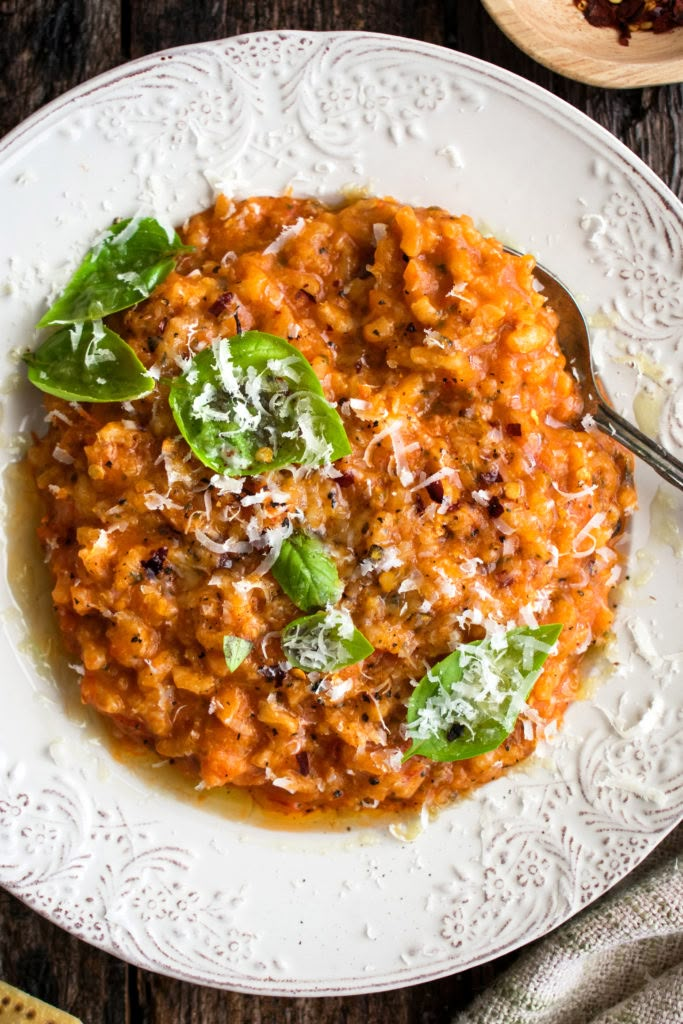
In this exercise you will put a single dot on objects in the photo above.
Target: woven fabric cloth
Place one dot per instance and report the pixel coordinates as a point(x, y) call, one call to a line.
point(618, 962)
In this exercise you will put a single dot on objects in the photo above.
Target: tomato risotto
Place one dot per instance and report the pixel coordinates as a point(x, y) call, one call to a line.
point(331, 529)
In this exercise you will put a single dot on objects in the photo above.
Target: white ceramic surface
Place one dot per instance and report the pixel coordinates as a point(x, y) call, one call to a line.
point(166, 883)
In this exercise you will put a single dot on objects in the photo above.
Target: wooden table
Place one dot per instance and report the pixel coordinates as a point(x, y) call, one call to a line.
point(47, 46)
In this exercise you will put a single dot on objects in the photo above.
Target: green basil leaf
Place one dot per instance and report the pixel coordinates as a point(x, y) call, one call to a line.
point(124, 267)
point(324, 642)
point(468, 703)
point(235, 650)
point(88, 363)
point(253, 403)
point(306, 573)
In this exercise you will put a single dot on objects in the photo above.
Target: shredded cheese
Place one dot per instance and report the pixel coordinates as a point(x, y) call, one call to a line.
point(289, 232)
point(490, 688)
point(586, 532)
point(322, 645)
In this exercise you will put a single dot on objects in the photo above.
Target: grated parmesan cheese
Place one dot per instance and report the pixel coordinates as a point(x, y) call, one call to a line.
point(322, 644)
point(573, 495)
point(225, 547)
point(227, 484)
point(389, 560)
point(400, 450)
point(440, 474)
point(61, 455)
point(155, 502)
point(490, 688)
point(291, 231)
point(585, 532)
point(434, 339)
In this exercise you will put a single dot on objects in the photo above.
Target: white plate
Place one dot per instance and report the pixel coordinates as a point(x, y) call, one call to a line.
point(166, 883)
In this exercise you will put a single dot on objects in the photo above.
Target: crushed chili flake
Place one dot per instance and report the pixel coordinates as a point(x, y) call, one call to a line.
point(303, 762)
point(221, 304)
point(495, 507)
point(627, 16)
point(435, 491)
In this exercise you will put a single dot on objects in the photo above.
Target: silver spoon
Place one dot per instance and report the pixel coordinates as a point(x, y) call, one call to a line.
point(574, 340)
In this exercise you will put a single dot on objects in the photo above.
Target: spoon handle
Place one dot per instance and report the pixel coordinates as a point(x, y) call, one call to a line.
point(668, 467)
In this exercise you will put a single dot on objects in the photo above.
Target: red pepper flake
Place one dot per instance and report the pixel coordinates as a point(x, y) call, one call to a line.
point(303, 762)
point(513, 429)
point(627, 16)
point(495, 507)
point(221, 304)
point(435, 491)
point(504, 579)
point(347, 479)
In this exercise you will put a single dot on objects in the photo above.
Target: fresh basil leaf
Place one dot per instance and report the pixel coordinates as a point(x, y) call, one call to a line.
point(468, 703)
point(324, 642)
point(124, 267)
point(235, 650)
point(306, 573)
point(253, 403)
point(88, 363)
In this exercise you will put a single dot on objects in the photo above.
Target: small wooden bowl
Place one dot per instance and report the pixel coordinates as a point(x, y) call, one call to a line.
point(556, 34)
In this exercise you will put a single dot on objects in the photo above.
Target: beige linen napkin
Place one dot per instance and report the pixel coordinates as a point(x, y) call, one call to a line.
point(618, 962)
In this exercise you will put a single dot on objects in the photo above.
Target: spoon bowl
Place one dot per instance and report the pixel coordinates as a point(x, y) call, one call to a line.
point(556, 34)
point(573, 337)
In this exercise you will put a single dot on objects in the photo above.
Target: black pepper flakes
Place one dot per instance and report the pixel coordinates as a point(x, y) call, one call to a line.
point(155, 563)
point(273, 673)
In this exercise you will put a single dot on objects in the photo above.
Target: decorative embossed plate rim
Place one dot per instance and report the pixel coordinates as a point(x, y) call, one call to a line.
point(164, 883)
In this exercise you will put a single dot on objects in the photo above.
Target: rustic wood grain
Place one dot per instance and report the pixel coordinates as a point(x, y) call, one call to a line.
point(46, 962)
point(423, 19)
point(163, 1001)
point(48, 46)
point(39, 958)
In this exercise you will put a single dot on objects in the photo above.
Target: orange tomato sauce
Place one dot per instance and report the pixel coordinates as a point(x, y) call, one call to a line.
point(472, 494)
